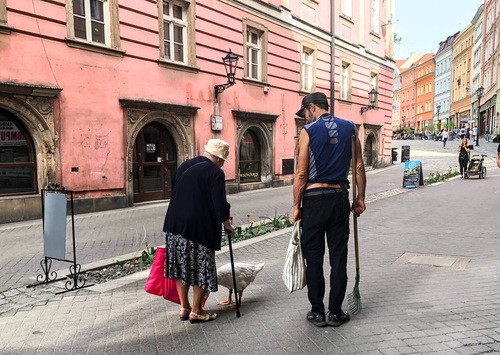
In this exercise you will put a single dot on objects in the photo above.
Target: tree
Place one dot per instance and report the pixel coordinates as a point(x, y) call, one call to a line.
point(397, 40)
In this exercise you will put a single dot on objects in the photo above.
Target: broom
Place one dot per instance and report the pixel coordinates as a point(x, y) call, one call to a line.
point(354, 298)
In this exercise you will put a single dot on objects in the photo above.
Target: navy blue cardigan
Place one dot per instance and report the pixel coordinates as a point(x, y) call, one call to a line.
point(198, 204)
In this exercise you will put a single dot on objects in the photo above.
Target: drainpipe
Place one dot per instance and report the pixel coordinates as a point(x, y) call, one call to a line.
point(332, 62)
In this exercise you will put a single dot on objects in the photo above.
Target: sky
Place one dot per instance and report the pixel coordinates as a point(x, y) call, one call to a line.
point(422, 24)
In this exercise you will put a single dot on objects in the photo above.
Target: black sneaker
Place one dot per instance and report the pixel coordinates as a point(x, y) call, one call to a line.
point(318, 319)
point(336, 320)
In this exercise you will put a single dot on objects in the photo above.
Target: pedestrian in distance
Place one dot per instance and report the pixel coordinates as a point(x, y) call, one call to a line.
point(445, 137)
point(498, 155)
point(193, 227)
point(321, 201)
point(463, 156)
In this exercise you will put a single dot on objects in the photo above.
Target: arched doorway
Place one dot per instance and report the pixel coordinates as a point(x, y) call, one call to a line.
point(370, 151)
point(154, 163)
point(18, 173)
point(249, 157)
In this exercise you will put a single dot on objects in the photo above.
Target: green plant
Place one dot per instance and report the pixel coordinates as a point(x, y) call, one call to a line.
point(279, 222)
point(440, 176)
point(256, 229)
point(146, 258)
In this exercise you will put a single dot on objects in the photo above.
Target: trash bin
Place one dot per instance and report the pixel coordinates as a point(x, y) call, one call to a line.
point(394, 154)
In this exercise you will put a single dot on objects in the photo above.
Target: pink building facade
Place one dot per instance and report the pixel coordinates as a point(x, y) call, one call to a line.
point(108, 98)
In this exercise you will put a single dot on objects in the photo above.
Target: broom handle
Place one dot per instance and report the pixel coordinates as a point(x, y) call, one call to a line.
point(355, 219)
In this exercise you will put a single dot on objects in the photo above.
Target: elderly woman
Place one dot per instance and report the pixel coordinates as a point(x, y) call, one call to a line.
point(193, 229)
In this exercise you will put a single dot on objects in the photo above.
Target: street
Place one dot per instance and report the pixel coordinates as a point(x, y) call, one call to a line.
point(429, 277)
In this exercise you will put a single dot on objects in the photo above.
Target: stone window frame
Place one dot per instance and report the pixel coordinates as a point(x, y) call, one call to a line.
point(249, 25)
point(112, 46)
point(4, 27)
point(190, 45)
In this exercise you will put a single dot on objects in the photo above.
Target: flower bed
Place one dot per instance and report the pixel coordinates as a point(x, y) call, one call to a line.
point(143, 262)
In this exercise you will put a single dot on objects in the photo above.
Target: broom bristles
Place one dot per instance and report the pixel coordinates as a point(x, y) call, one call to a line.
point(354, 300)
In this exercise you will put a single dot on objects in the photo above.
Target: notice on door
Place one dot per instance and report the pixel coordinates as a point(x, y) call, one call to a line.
point(413, 175)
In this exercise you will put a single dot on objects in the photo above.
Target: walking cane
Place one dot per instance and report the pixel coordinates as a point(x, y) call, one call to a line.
point(235, 289)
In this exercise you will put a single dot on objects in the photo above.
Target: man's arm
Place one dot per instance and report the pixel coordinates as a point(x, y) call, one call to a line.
point(301, 174)
point(360, 179)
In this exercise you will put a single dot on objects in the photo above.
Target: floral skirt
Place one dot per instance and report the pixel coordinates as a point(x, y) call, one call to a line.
point(191, 262)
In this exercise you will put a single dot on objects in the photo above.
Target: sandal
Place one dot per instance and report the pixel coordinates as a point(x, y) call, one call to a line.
point(196, 318)
point(186, 312)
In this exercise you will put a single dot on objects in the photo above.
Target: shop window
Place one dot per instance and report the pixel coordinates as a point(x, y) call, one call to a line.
point(17, 158)
point(250, 153)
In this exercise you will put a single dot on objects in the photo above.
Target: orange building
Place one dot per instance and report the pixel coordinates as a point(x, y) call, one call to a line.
point(424, 85)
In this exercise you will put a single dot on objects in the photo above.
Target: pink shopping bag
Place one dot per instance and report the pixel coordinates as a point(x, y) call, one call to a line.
point(156, 284)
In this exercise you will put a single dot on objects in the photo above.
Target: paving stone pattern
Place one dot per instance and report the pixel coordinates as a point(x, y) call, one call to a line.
point(407, 308)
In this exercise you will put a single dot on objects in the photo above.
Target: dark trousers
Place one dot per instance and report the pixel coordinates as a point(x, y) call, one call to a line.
point(325, 214)
point(463, 165)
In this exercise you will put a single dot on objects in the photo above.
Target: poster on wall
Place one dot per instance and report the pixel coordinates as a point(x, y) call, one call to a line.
point(413, 175)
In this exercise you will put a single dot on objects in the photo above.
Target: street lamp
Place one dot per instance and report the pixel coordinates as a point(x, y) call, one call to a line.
point(479, 93)
point(230, 64)
point(372, 96)
point(438, 109)
point(403, 119)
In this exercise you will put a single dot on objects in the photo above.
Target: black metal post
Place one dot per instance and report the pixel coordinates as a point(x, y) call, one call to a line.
point(478, 118)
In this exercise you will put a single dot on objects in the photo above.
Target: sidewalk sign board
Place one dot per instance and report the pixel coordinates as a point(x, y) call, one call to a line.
point(413, 176)
point(54, 226)
point(54, 213)
point(405, 153)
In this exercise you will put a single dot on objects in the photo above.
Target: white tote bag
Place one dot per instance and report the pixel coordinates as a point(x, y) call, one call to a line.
point(294, 271)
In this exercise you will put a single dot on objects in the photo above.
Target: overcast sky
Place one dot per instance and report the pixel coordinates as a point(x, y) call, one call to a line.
point(422, 24)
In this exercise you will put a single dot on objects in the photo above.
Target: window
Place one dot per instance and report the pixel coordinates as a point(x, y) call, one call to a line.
point(345, 81)
point(88, 17)
point(253, 61)
point(347, 8)
point(174, 31)
point(177, 34)
point(94, 22)
point(307, 70)
point(255, 51)
point(17, 158)
point(249, 157)
point(375, 16)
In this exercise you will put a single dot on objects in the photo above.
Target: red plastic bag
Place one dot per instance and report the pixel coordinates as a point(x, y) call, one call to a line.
point(156, 284)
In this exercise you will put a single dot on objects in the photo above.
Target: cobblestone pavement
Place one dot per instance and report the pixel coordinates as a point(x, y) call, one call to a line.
point(429, 279)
